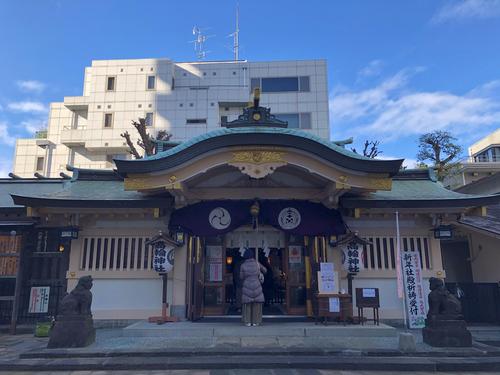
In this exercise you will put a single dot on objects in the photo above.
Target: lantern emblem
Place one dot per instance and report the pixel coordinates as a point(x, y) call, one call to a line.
point(219, 218)
point(289, 218)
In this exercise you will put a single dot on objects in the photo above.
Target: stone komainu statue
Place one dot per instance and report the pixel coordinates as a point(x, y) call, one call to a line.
point(74, 327)
point(442, 304)
point(445, 325)
point(79, 300)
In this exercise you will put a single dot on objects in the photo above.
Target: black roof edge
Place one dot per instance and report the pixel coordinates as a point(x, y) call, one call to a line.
point(126, 203)
point(82, 174)
point(420, 203)
point(391, 167)
point(32, 180)
point(416, 174)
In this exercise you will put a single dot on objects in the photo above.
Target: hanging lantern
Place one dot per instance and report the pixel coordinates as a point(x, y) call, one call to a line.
point(254, 211)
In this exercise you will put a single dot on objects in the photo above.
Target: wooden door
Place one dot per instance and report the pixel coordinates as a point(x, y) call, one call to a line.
point(214, 301)
point(295, 276)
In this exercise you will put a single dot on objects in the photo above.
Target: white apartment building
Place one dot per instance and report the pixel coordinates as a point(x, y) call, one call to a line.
point(483, 161)
point(185, 99)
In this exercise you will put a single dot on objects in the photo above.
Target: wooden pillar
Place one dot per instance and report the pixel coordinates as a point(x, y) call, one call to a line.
point(307, 260)
point(17, 290)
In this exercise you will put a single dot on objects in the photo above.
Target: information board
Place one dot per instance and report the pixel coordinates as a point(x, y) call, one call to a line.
point(39, 299)
point(327, 278)
point(367, 297)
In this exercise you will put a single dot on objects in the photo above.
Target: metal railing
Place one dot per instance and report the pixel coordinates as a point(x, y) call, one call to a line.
point(481, 159)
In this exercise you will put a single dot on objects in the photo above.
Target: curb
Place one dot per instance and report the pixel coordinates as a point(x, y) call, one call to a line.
point(403, 364)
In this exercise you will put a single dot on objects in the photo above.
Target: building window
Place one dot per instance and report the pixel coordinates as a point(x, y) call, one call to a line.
point(305, 121)
point(304, 85)
point(296, 120)
point(149, 119)
point(281, 84)
point(40, 161)
point(110, 83)
point(291, 118)
point(254, 83)
point(196, 121)
point(151, 82)
point(108, 120)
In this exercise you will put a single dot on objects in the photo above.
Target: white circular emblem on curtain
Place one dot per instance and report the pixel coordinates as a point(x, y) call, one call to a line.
point(289, 218)
point(219, 218)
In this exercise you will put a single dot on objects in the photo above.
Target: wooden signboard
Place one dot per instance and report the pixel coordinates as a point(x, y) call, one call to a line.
point(9, 254)
point(367, 297)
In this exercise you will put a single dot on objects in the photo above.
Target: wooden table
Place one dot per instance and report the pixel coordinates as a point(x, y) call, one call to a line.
point(323, 307)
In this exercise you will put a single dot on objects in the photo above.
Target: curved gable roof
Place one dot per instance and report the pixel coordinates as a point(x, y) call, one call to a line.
point(258, 136)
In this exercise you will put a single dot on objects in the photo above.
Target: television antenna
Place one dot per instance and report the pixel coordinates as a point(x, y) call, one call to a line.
point(199, 42)
point(236, 34)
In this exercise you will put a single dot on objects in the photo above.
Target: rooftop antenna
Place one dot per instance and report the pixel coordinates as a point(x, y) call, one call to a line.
point(199, 42)
point(236, 34)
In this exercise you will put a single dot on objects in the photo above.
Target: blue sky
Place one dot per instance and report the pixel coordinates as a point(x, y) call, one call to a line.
point(396, 69)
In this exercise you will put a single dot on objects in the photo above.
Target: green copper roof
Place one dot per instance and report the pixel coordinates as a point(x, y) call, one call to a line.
point(252, 130)
point(410, 189)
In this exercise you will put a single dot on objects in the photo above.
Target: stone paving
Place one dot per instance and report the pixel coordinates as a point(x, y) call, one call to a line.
point(235, 372)
point(232, 346)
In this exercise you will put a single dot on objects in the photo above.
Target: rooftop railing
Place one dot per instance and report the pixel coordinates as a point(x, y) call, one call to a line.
point(481, 159)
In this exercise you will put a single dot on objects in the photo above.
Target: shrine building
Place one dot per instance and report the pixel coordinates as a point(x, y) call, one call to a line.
point(296, 198)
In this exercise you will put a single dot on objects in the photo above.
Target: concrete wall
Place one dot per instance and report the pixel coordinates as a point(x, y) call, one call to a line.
point(128, 293)
point(197, 90)
point(485, 258)
point(385, 279)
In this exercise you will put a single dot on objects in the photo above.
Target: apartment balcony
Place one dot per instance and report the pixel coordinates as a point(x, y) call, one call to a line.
point(74, 137)
point(76, 103)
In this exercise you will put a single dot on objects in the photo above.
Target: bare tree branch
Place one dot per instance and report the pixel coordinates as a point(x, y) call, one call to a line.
point(133, 150)
point(370, 149)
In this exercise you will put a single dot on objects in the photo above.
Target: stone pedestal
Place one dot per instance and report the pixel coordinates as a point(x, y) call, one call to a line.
point(72, 331)
point(446, 333)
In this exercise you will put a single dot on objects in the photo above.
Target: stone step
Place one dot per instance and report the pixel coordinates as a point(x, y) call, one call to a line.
point(235, 351)
point(200, 330)
point(256, 362)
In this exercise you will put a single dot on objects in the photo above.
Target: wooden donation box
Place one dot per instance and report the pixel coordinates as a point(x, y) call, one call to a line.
point(331, 303)
point(368, 298)
point(334, 305)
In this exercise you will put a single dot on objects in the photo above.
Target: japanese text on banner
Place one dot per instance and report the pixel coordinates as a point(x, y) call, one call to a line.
point(414, 290)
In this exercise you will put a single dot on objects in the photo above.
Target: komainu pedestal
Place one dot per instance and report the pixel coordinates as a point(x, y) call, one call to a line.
point(445, 325)
point(74, 327)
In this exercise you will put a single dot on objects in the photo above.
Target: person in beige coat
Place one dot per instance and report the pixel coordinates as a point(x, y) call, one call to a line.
point(252, 297)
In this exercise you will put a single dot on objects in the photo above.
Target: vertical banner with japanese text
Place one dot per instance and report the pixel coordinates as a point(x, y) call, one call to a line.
point(414, 289)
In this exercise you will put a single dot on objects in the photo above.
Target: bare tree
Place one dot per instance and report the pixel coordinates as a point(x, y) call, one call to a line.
point(441, 149)
point(370, 149)
point(146, 141)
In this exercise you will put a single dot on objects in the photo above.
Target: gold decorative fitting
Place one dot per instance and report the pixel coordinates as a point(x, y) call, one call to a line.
point(257, 157)
point(257, 164)
point(134, 184)
point(172, 179)
point(343, 179)
point(380, 183)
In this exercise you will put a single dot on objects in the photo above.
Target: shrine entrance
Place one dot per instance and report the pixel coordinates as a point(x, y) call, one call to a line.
point(282, 255)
